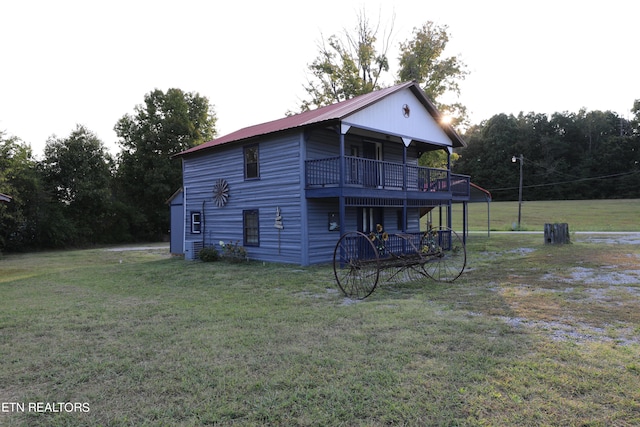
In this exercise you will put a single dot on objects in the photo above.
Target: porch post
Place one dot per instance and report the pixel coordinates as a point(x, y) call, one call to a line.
point(464, 222)
point(404, 167)
point(449, 210)
point(404, 187)
point(341, 202)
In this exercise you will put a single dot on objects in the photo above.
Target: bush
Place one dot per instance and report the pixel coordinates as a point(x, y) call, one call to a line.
point(233, 252)
point(208, 254)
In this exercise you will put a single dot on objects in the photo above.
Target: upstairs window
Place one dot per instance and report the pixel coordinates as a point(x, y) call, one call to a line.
point(251, 162)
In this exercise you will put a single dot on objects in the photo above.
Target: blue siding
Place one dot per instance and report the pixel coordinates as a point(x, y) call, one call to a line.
point(321, 240)
point(321, 144)
point(278, 187)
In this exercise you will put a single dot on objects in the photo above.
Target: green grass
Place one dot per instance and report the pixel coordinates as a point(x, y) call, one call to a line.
point(529, 335)
point(581, 215)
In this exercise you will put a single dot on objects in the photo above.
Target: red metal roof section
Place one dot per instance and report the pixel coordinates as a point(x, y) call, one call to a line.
point(335, 111)
point(482, 190)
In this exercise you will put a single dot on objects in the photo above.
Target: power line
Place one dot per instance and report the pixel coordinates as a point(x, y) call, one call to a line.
point(567, 182)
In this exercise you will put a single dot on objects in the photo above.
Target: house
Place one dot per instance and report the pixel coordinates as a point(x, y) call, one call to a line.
point(5, 198)
point(287, 189)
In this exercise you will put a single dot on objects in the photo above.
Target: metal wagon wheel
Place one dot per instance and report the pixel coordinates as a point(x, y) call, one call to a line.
point(445, 254)
point(356, 265)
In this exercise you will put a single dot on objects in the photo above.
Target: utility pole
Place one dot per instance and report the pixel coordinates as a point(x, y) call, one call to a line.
point(513, 160)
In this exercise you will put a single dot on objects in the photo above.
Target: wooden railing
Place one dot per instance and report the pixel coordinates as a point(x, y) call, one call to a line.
point(360, 172)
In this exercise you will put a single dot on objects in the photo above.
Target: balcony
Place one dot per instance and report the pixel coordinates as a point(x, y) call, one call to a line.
point(367, 174)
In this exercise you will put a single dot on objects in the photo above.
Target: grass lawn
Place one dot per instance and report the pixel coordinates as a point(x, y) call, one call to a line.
point(530, 334)
point(581, 215)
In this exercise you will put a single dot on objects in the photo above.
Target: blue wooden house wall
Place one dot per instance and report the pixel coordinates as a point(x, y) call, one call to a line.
point(278, 187)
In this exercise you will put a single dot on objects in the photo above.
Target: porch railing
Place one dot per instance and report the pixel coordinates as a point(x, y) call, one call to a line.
point(360, 172)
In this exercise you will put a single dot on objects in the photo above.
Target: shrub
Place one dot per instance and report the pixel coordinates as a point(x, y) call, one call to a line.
point(208, 254)
point(233, 252)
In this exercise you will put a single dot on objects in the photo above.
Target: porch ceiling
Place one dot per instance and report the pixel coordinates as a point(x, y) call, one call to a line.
point(379, 135)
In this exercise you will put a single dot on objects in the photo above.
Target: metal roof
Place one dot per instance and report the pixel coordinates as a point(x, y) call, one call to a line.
point(4, 198)
point(479, 194)
point(334, 112)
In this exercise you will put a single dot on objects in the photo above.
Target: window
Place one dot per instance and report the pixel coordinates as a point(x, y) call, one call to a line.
point(251, 158)
point(196, 222)
point(251, 229)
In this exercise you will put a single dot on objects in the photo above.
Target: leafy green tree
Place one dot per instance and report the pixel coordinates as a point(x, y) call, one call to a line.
point(421, 60)
point(166, 124)
point(19, 179)
point(357, 63)
point(77, 172)
point(350, 66)
point(580, 155)
point(635, 122)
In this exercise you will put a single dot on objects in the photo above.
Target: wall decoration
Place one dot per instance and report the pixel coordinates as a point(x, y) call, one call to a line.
point(406, 111)
point(334, 222)
point(221, 192)
point(278, 224)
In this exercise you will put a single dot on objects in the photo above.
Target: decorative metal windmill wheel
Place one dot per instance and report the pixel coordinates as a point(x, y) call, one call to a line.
point(221, 192)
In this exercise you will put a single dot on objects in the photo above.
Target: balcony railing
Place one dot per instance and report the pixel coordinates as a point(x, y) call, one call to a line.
point(367, 173)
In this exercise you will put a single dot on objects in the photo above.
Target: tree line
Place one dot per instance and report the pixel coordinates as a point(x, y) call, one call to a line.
point(79, 194)
point(583, 155)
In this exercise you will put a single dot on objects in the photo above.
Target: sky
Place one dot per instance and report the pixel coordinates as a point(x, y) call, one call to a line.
point(69, 62)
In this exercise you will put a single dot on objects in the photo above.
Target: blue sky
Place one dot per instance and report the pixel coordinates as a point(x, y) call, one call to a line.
point(74, 62)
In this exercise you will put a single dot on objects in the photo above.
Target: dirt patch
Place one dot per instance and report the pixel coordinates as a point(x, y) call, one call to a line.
point(590, 276)
point(625, 238)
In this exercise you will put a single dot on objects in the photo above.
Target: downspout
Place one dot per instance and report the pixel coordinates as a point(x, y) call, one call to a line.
point(202, 222)
point(304, 217)
point(184, 213)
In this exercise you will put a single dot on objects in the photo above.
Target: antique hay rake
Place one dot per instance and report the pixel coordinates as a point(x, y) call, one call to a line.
point(360, 261)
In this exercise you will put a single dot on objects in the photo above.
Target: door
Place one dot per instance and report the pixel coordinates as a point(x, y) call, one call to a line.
point(373, 169)
point(369, 218)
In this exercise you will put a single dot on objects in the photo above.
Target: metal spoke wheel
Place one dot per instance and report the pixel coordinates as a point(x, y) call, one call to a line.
point(445, 254)
point(356, 265)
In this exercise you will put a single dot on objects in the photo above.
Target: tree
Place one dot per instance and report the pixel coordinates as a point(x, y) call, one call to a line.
point(421, 61)
point(635, 122)
point(77, 173)
point(569, 156)
point(355, 64)
point(166, 124)
point(18, 178)
point(348, 67)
